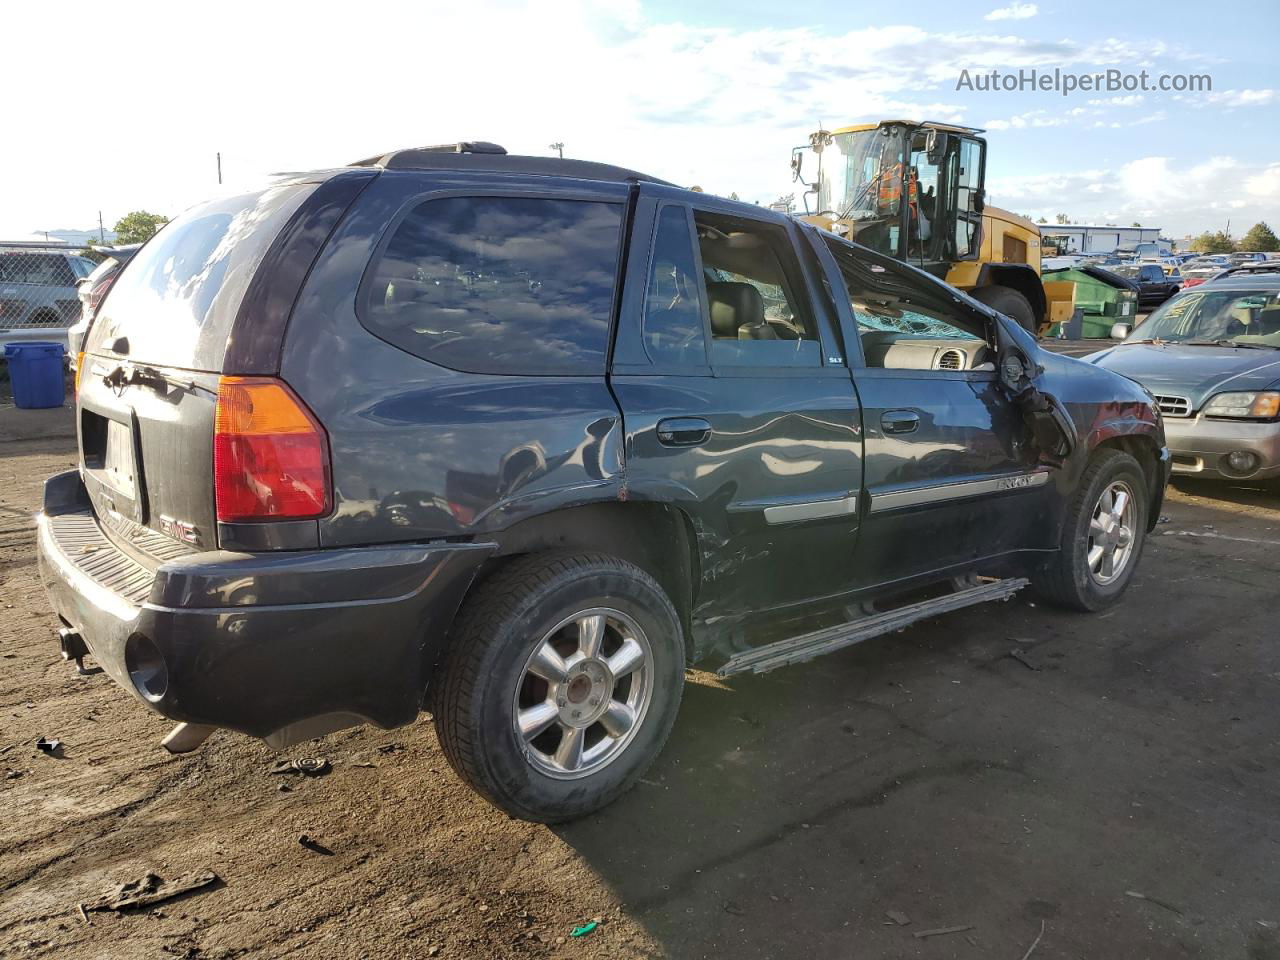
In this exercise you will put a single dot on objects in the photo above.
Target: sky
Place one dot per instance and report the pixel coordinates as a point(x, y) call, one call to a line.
point(714, 94)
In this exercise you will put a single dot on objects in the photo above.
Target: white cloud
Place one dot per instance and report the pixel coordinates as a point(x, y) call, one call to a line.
point(1032, 118)
point(1129, 100)
point(716, 106)
point(1155, 190)
point(1015, 11)
point(1240, 98)
point(1230, 99)
point(1265, 184)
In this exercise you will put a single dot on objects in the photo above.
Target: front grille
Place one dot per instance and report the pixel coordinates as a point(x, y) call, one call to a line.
point(951, 360)
point(1174, 406)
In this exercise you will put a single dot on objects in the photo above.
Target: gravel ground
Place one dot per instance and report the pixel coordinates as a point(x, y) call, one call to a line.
point(1116, 785)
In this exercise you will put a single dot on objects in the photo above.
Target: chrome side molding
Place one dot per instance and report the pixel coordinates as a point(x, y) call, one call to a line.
point(939, 493)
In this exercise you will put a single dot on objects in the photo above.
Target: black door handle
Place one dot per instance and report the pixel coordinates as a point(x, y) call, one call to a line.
point(683, 431)
point(899, 421)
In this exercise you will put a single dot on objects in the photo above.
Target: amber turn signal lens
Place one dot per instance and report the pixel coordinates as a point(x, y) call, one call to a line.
point(270, 454)
point(1265, 406)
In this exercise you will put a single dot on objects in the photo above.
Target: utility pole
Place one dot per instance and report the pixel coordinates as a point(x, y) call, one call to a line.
point(102, 233)
point(219, 168)
point(558, 146)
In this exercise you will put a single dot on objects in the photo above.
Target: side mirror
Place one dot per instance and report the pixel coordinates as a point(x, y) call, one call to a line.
point(1120, 331)
point(936, 146)
point(797, 164)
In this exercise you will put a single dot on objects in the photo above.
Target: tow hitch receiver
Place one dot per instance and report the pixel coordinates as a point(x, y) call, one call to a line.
point(72, 647)
point(810, 645)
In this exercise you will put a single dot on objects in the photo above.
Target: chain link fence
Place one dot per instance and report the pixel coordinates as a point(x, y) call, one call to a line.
point(39, 297)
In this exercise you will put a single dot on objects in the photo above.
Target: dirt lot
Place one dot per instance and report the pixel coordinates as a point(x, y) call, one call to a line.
point(1119, 785)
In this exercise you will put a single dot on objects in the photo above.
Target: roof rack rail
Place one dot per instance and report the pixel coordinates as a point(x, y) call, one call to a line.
point(482, 155)
point(462, 146)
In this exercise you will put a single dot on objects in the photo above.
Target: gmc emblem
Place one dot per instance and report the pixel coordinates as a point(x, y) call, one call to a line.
point(180, 530)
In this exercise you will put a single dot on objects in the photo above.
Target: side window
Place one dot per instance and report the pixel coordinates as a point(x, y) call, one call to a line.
point(966, 200)
point(672, 330)
point(519, 285)
point(904, 323)
point(754, 294)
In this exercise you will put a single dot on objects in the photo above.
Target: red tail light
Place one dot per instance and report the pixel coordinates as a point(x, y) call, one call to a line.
point(270, 455)
point(90, 299)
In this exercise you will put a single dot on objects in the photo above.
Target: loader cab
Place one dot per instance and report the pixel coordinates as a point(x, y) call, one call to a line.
point(913, 191)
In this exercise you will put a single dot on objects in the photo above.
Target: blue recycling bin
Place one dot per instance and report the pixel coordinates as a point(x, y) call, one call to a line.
point(35, 372)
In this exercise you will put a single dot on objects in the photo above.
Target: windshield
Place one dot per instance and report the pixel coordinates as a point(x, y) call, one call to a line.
point(1247, 317)
point(862, 179)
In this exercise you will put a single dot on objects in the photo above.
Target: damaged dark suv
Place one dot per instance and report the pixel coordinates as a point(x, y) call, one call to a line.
point(516, 440)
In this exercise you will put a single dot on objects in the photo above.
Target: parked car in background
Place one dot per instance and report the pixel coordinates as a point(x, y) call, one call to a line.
point(38, 298)
point(93, 288)
point(1149, 250)
point(1200, 270)
point(1245, 256)
point(1211, 356)
point(1155, 286)
point(519, 438)
point(1250, 268)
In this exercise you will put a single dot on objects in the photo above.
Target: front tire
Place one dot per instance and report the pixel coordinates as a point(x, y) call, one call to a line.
point(1102, 536)
point(562, 682)
point(1011, 303)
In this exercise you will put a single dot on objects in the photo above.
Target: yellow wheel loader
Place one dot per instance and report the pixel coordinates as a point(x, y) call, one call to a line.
point(915, 191)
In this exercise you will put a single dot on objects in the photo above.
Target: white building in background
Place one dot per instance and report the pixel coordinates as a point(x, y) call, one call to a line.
point(1080, 238)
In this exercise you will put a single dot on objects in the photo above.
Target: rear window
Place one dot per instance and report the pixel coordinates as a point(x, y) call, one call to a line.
point(519, 285)
point(44, 269)
point(177, 298)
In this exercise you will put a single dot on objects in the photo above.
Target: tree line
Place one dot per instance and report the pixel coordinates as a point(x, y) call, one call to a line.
point(1260, 239)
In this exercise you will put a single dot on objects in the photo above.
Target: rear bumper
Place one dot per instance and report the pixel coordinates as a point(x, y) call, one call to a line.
point(1200, 447)
point(283, 646)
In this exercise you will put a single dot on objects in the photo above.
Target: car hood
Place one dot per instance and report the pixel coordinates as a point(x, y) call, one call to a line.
point(1196, 373)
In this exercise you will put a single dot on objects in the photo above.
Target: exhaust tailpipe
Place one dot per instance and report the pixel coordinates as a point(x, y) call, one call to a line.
point(185, 737)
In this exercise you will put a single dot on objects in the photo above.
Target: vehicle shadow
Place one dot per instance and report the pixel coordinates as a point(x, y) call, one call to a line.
point(746, 837)
point(1243, 493)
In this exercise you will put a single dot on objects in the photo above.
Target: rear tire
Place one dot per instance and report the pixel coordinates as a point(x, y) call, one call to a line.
point(561, 684)
point(1009, 302)
point(1079, 576)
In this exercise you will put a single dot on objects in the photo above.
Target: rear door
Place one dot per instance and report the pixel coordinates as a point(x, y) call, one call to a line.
point(152, 361)
point(950, 476)
point(737, 402)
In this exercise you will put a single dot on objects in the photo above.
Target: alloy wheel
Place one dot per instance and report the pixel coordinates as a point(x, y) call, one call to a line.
point(583, 693)
point(1111, 533)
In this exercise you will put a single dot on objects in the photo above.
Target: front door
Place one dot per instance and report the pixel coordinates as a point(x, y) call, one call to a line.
point(737, 403)
point(949, 471)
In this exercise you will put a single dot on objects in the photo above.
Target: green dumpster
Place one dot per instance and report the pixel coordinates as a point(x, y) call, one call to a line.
point(1102, 296)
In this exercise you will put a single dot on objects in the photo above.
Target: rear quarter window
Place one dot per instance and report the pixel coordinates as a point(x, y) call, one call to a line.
point(506, 285)
point(177, 299)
